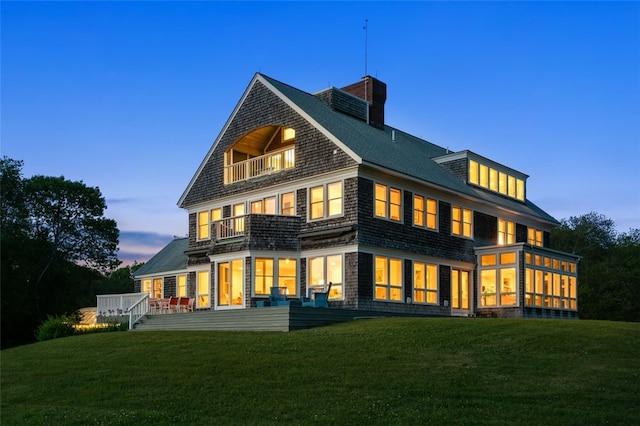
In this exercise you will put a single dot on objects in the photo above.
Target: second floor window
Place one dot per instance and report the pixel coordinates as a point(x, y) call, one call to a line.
point(325, 201)
point(535, 237)
point(506, 232)
point(425, 212)
point(461, 221)
point(388, 202)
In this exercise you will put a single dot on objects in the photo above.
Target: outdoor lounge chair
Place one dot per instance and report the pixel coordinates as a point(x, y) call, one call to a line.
point(318, 299)
point(278, 296)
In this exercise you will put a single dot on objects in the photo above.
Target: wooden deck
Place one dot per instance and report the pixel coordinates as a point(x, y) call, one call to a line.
point(276, 318)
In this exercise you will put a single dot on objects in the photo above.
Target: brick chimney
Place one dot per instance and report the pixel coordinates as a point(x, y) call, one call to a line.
point(374, 92)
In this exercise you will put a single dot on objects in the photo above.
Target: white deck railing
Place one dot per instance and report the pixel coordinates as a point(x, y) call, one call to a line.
point(267, 164)
point(229, 227)
point(135, 305)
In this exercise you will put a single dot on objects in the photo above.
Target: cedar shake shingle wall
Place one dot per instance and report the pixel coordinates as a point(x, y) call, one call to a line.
point(458, 168)
point(405, 237)
point(261, 107)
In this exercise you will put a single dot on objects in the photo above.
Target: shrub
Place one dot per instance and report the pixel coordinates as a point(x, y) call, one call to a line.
point(58, 326)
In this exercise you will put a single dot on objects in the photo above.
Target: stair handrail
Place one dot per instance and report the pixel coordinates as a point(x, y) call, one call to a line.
point(138, 310)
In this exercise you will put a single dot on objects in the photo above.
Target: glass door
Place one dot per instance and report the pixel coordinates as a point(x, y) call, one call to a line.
point(230, 284)
point(460, 292)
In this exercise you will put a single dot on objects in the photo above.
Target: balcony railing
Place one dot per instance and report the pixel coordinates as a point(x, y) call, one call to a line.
point(267, 164)
point(229, 227)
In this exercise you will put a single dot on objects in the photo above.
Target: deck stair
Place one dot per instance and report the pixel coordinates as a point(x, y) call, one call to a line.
point(276, 318)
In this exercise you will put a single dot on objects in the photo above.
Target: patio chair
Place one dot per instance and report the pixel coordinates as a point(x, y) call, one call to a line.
point(278, 296)
point(173, 304)
point(318, 299)
point(183, 304)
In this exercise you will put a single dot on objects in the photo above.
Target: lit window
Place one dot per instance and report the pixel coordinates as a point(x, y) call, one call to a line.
point(266, 206)
point(473, 172)
point(461, 221)
point(551, 289)
point(202, 286)
point(484, 176)
point(269, 271)
point(263, 276)
point(216, 214)
point(238, 221)
point(535, 237)
point(287, 206)
point(182, 286)
point(146, 285)
point(506, 232)
point(498, 284)
point(422, 217)
point(388, 279)
point(324, 270)
point(425, 283)
point(321, 207)
point(230, 283)
point(203, 225)
point(388, 202)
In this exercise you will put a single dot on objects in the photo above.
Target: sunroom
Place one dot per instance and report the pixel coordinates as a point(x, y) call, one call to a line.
point(523, 280)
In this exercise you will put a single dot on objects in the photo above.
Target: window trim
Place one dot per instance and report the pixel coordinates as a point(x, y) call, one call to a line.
point(325, 201)
point(325, 273)
point(425, 212)
point(462, 222)
point(276, 273)
point(387, 284)
point(387, 203)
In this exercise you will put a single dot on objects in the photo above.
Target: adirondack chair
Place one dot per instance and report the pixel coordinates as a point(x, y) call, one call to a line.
point(318, 299)
point(278, 296)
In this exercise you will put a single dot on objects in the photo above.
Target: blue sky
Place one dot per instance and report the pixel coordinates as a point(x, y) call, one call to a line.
point(129, 96)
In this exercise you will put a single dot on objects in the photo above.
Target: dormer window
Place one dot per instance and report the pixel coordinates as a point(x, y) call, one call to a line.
point(492, 178)
point(263, 151)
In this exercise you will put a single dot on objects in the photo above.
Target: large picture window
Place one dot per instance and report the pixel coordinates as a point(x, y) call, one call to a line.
point(324, 270)
point(498, 279)
point(388, 279)
point(550, 283)
point(275, 271)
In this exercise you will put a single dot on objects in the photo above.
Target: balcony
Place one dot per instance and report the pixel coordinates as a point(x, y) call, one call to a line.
point(273, 162)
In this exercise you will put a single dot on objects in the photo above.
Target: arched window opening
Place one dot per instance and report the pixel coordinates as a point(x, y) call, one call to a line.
point(263, 151)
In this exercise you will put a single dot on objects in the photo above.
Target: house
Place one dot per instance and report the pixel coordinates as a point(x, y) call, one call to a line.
point(302, 189)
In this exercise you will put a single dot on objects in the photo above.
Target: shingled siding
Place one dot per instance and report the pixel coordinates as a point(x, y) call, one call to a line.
point(458, 168)
point(376, 232)
point(261, 107)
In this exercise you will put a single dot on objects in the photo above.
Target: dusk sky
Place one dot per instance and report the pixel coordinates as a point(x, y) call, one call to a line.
point(129, 96)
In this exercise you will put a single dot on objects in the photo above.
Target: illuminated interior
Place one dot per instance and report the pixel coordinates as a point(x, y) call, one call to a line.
point(425, 283)
point(266, 274)
point(388, 202)
point(266, 150)
point(230, 283)
point(324, 270)
point(388, 279)
point(496, 180)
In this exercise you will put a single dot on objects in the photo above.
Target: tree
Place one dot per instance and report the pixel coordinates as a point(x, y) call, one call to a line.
point(609, 269)
point(56, 246)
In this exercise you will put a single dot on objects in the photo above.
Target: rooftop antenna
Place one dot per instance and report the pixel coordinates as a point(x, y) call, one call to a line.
point(366, 33)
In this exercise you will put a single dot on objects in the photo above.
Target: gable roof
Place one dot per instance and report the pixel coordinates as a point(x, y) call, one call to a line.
point(170, 258)
point(384, 148)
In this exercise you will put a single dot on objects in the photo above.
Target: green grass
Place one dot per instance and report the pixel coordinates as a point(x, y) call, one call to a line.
point(369, 372)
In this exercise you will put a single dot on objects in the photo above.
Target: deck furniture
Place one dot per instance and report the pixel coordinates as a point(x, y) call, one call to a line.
point(318, 299)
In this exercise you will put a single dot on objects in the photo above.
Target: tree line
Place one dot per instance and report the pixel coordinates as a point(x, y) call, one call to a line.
point(58, 252)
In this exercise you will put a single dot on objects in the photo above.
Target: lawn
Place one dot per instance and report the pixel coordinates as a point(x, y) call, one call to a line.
point(390, 371)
